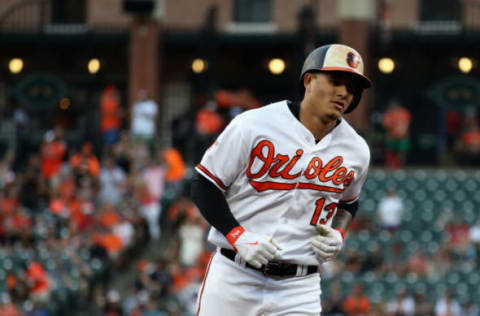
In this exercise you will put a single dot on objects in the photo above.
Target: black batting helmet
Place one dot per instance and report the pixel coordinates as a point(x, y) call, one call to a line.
point(337, 57)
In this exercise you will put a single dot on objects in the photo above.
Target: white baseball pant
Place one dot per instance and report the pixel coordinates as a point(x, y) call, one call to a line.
point(235, 290)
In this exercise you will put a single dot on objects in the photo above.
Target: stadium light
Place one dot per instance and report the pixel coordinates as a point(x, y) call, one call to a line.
point(276, 66)
point(465, 65)
point(386, 65)
point(199, 65)
point(15, 65)
point(93, 66)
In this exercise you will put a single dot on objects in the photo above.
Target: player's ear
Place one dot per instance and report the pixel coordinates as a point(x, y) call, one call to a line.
point(307, 80)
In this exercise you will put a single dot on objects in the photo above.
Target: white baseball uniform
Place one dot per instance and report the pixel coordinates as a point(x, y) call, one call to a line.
point(279, 182)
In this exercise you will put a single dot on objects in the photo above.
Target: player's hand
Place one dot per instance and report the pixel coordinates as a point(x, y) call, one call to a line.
point(327, 244)
point(255, 249)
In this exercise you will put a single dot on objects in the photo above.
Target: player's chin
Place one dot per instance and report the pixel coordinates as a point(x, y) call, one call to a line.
point(334, 115)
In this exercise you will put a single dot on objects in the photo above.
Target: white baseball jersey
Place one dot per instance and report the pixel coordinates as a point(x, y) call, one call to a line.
point(279, 182)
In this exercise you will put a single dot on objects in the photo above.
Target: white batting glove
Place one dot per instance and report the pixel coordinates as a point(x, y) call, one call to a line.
point(327, 244)
point(255, 249)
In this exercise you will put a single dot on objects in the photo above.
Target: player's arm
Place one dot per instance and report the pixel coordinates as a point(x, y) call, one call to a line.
point(254, 248)
point(329, 241)
point(213, 205)
point(343, 217)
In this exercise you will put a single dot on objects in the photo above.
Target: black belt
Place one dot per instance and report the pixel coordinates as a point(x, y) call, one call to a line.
point(273, 268)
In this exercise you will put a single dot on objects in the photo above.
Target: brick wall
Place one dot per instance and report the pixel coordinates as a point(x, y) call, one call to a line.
point(107, 12)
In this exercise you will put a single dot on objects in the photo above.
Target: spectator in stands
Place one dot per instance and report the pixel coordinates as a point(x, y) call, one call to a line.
point(175, 170)
point(130, 303)
point(38, 282)
point(390, 211)
point(418, 263)
point(447, 305)
point(396, 121)
point(111, 115)
point(181, 209)
point(30, 188)
point(423, 307)
point(85, 163)
point(458, 237)
point(469, 309)
point(441, 263)
point(475, 233)
point(208, 124)
point(7, 308)
point(401, 305)
point(467, 146)
point(7, 175)
point(192, 238)
point(150, 209)
point(144, 118)
point(453, 127)
point(356, 303)
point(53, 152)
point(154, 177)
point(112, 181)
point(353, 260)
point(125, 230)
point(113, 306)
point(374, 261)
point(396, 260)
point(122, 152)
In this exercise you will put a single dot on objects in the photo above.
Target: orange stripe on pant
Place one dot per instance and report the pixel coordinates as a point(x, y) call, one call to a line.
point(203, 285)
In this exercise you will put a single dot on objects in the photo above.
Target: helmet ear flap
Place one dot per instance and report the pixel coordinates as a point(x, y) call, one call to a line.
point(356, 99)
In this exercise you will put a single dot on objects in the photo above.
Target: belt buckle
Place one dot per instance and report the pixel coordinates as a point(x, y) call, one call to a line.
point(272, 269)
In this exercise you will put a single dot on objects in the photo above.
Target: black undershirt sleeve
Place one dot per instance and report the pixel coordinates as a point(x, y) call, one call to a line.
point(212, 204)
point(351, 208)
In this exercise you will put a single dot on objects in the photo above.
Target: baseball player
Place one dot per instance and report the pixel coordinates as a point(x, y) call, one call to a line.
point(279, 187)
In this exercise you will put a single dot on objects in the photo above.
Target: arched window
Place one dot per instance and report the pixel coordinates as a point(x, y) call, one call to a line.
point(69, 11)
point(253, 11)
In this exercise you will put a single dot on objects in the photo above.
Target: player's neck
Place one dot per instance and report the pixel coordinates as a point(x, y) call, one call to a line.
point(318, 126)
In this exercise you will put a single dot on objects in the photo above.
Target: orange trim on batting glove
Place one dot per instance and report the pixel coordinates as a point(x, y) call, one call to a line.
point(342, 231)
point(234, 234)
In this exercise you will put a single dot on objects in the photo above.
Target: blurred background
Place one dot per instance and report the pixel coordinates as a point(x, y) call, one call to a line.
point(107, 105)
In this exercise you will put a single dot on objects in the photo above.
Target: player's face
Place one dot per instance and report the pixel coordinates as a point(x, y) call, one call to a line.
point(330, 93)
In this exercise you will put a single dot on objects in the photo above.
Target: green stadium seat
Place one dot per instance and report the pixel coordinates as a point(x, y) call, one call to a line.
point(432, 185)
point(7, 264)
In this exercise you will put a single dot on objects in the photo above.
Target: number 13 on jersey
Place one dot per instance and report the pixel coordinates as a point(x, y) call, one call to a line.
point(329, 210)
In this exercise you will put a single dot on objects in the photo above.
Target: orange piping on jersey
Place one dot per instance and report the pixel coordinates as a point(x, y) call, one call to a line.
point(317, 187)
point(203, 285)
point(211, 176)
point(270, 185)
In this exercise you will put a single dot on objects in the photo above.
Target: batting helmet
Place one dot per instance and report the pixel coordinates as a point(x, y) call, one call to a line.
point(337, 57)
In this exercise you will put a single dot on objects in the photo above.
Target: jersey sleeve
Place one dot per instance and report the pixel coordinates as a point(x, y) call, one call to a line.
point(227, 156)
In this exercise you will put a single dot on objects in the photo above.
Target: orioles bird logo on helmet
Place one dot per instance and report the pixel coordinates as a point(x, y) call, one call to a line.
point(353, 60)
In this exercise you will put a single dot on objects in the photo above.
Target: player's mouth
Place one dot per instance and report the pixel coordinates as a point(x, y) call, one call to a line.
point(339, 105)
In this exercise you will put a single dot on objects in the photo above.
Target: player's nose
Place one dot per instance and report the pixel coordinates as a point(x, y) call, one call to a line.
point(342, 90)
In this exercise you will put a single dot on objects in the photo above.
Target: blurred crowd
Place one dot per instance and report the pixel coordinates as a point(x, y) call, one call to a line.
point(72, 216)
